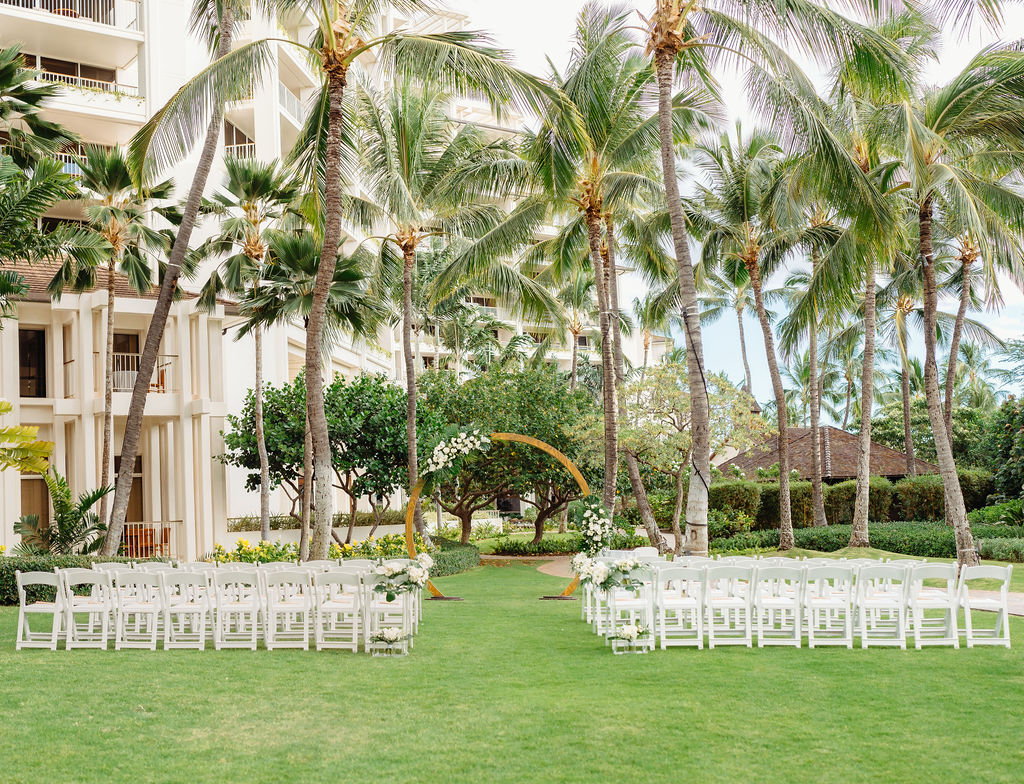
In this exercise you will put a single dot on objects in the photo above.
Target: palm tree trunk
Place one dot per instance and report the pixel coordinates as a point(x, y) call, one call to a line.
point(636, 481)
point(956, 513)
point(908, 436)
point(785, 511)
point(409, 255)
point(859, 536)
point(954, 347)
point(608, 391)
point(575, 359)
point(168, 287)
point(743, 352)
point(108, 389)
point(817, 495)
point(700, 427)
point(261, 439)
point(849, 398)
point(307, 492)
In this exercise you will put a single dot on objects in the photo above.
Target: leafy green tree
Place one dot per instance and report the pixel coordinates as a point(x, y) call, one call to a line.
point(1004, 447)
point(970, 426)
point(75, 528)
point(536, 403)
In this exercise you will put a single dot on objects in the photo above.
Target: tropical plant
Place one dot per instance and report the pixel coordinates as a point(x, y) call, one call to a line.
point(28, 137)
point(251, 202)
point(19, 448)
point(74, 528)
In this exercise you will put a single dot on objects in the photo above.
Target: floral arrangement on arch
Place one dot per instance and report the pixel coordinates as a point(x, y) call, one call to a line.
point(626, 573)
point(596, 526)
point(446, 456)
point(393, 579)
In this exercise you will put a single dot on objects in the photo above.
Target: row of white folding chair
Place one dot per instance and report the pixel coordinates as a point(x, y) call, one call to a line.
point(131, 605)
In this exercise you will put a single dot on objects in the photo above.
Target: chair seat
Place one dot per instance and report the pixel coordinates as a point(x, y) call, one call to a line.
point(984, 604)
point(778, 602)
point(680, 602)
point(189, 606)
point(728, 602)
point(338, 604)
point(41, 607)
point(139, 606)
point(826, 602)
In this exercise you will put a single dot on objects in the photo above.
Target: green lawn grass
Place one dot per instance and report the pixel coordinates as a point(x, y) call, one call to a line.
point(503, 687)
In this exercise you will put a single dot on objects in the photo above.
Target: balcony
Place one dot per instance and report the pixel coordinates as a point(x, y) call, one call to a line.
point(290, 102)
point(70, 162)
point(126, 370)
point(162, 539)
point(247, 150)
point(101, 32)
point(94, 85)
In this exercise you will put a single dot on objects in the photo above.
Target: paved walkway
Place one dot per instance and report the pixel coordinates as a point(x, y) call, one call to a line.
point(560, 567)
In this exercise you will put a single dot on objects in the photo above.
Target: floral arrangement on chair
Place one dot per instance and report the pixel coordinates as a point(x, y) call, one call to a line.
point(394, 579)
point(631, 638)
point(390, 640)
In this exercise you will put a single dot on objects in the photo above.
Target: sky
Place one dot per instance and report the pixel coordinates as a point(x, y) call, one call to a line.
point(537, 29)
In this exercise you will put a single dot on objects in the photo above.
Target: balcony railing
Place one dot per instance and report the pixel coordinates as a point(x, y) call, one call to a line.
point(70, 162)
point(126, 370)
point(241, 150)
point(290, 102)
point(162, 539)
point(70, 380)
point(90, 84)
point(123, 14)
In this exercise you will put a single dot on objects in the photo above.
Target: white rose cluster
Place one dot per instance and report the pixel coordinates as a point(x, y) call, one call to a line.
point(425, 561)
point(631, 631)
point(599, 573)
point(389, 634)
point(417, 575)
point(446, 452)
point(583, 566)
point(596, 527)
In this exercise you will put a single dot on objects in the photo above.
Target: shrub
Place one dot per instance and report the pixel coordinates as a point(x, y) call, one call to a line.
point(920, 497)
point(976, 485)
point(1007, 512)
point(1010, 549)
point(520, 546)
point(840, 500)
point(799, 503)
point(726, 523)
point(289, 523)
point(923, 540)
point(386, 546)
point(735, 496)
point(453, 557)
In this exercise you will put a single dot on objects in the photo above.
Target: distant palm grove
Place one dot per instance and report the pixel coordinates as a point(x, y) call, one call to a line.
point(863, 219)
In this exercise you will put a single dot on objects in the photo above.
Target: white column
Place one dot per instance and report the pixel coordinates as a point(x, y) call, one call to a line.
point(10, 481)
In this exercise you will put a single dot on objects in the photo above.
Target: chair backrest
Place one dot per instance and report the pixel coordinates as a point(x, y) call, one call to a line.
point(692, 560)
point(277, 566)
point(193, 565)
point(137, 584)
point(681, 577)
point(765, 562)
point(730, 572)
point(833, 580)
point(358, 562)
point(987, 572)
point(296, 577)
point(791, 573)
point(641, 552)
point(322, 565)
point(933, 571)
point(236, 566)
point(112, 566)
point(73, 577)
point(223, 578)
point(153, 566)
point(25, 579)
point(890, 578)
point(183, 578)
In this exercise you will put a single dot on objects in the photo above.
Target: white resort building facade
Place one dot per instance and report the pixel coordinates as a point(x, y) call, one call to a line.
point(117, 62)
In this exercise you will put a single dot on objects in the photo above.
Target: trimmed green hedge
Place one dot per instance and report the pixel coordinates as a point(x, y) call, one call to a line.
point(42, 563)
point(519, 546)
point(735, 495)
point(924, 540)
point(800, 504)
point(921, 497)
point(840, 500)
point(1009, 549)
point(453, 557)
point(289, 523)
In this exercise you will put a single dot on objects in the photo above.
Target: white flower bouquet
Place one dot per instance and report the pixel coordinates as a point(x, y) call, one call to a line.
point(596, 526)
point(626, 573)
point(389, 641)
point(632, 638)
point(392, 579)
point(448, 451)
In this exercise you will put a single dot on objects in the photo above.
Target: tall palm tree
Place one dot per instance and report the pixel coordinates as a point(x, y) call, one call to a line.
point(955, 144)
point(462, 62)
point(577, 295)
point(119, 212)
point(432, 178)
point(215, 20)
point(728, 289)
point(252, 200)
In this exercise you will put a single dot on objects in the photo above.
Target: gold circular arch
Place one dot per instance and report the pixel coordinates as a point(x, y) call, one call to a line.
point(410, 510)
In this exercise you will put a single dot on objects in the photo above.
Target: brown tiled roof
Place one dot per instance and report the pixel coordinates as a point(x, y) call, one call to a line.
point(839, 450)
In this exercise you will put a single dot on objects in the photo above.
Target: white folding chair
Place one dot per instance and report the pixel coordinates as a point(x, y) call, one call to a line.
point(777, 593)
point(236, 598)
point(629, 606)
point(338, 611)
point(923, 599)
point(322, 566)
point(882, 605)
point(153, 566)
point(727, 602)
point(999, 634)
point(828, 605)
point(97, 606)
point(137, 609)
point(112, 566)
point(185, 597)
point(26, 637)
point(679, 606)
point(237, 566)
point(643, 552)
point(194, 566)
point(289, 608)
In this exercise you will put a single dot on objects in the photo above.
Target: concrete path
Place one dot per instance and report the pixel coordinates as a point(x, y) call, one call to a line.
point(559, 566)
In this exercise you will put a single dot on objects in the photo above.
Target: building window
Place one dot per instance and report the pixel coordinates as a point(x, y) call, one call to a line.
point(126, 343)
point(32, 362)
point(237, 143)
point(35, 499)
point(583, 341)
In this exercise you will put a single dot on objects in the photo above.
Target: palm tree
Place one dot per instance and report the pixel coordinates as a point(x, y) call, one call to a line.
point(120, 213)
point(732, 217)
point(728, 289)
point(434, 179)
point(285, 295)
point(27, 136)
point(956, 143)
point(215, 21)
point(460, 62)
point(651, 319)
point(577, 295)
point(253, 199)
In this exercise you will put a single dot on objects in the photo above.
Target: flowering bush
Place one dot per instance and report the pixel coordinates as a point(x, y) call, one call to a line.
point(596, 525)
point(394, 579)
point(262, 552)
point(449, 451)
point(387, 546)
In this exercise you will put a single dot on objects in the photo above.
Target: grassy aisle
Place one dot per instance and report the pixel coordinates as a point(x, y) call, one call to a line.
point(503, 687)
